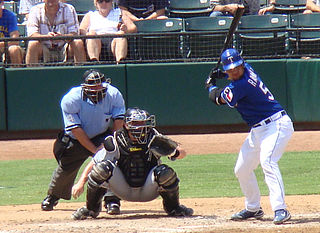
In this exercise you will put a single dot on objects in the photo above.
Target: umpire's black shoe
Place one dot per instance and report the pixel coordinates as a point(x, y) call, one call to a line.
point(181, 210)
point(49, 202)
point(245, 214)
point(83, 213)
point(281, 216)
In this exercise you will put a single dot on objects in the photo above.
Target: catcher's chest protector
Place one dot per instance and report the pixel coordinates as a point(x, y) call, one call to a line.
point(135, 163)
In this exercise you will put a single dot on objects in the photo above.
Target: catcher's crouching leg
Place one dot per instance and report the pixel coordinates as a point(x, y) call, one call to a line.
point(168, 181)
point(100, 173)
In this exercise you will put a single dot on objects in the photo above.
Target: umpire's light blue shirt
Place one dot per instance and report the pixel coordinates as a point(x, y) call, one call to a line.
point(94, 119)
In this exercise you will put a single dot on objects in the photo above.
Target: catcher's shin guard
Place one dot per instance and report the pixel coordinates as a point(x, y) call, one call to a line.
point(94, 198)
point(169, 191)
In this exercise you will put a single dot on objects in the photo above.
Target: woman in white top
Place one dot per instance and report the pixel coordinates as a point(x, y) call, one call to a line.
point(106, 20)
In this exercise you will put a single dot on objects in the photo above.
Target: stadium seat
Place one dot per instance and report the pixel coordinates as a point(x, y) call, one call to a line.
point(11, 6)
point(264, 3)
point(82, 7)
point(289, 6)
point(263, 42)
point(189, 8)
point(162, 46)
point(301, 42)
point(206, 45)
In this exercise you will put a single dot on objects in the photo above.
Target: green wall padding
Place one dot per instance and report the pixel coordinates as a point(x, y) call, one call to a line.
point(34, 94)
point(304, 89)
point(3, 119)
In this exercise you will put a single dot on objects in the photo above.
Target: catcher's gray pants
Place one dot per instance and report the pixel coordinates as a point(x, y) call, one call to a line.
point(119, 186)
point(69, 163)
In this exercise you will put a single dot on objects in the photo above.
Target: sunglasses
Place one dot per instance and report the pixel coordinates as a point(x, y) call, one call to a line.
point(101, 1)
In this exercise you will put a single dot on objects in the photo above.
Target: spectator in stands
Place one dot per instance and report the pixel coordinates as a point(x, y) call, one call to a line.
point(50, 19)
point(143, 9)
point(270, 8)
point(25, 6)
point(106, 20)
point(229, 7)
point(9, 28)
point(312, 6)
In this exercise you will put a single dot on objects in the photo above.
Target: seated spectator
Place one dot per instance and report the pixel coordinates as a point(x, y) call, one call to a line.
point(143, 9)
point(50, 19)
point(9, 28)
point(268, 9)
point(229, 7)
point(106, 20)
point(312, 6)
point(25, 6)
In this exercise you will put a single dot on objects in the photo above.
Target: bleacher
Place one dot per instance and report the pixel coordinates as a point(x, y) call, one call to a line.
point(194, 36)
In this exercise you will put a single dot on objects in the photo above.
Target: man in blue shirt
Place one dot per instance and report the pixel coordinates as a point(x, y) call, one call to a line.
point(91, 112)
point(271, 129)
point(9, 28)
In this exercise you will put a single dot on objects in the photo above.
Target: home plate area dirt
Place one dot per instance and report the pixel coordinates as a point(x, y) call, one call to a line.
point(210, 214)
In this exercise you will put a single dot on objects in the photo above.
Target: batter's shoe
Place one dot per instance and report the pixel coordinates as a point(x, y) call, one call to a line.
point(49, 202)
point(245, 214)
point(112, 208)
point(83, 213)
point(281, 216)
point(181, 211)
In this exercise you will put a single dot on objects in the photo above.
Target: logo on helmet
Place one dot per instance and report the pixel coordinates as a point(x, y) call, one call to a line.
point(230, 59)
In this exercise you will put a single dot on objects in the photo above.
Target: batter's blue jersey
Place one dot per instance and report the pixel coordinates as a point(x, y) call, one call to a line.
point(94, 119)
point(251, 97)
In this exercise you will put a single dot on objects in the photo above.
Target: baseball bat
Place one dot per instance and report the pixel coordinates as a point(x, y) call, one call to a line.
point(232, 29)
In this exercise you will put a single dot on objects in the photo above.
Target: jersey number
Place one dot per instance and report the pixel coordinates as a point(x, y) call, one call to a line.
point(266, 91)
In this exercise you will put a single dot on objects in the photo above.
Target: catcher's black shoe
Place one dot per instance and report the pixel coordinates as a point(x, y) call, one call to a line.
point(181, 210)
point(49, 202)
point(245, 214)
point(113, 208)
point(281, 216)
point(83, 213)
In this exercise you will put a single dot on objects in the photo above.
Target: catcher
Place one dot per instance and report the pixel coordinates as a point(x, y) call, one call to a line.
point(130, 165)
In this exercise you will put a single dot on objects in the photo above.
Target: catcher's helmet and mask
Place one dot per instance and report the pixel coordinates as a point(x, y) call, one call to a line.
point(230, 59)
point(94, 85)
point(139, 124)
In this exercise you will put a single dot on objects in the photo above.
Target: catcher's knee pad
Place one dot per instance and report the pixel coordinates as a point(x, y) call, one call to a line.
point(165, 176)
point(100, 173)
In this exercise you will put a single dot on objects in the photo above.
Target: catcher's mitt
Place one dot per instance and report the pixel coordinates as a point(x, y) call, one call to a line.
point(161, 145)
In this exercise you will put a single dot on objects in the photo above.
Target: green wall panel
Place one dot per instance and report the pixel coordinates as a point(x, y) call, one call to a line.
point(304, 86)
point(3, 124)
point(34, 94)
point(176, 94)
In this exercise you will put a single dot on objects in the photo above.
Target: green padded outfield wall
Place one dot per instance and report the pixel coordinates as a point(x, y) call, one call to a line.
point(176, 93)
point(34, 94)
point(3, 119)
point(304, 86)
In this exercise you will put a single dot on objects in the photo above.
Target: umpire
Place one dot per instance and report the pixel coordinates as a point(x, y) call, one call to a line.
point(90, 112)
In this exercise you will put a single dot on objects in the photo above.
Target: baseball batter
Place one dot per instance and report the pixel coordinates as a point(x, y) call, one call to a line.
point(130, 165)
point(271, 129)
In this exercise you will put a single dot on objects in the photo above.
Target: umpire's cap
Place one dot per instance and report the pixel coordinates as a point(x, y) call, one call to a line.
point(230, 59)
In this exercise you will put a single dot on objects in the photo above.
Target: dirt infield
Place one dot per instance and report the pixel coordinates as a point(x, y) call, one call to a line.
point(211, 214)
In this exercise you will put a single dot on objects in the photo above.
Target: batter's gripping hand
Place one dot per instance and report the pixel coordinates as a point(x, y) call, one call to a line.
point(161, 145)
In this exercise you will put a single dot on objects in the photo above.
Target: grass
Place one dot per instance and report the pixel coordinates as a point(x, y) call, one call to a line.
point(26, 181)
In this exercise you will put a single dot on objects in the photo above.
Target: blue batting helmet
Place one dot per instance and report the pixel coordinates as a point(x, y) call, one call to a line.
point(230, 59)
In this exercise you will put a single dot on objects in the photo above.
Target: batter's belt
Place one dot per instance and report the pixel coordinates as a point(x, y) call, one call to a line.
point(270, 119)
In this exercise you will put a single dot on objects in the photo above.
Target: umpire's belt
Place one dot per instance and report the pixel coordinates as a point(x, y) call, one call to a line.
point(268, 120)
